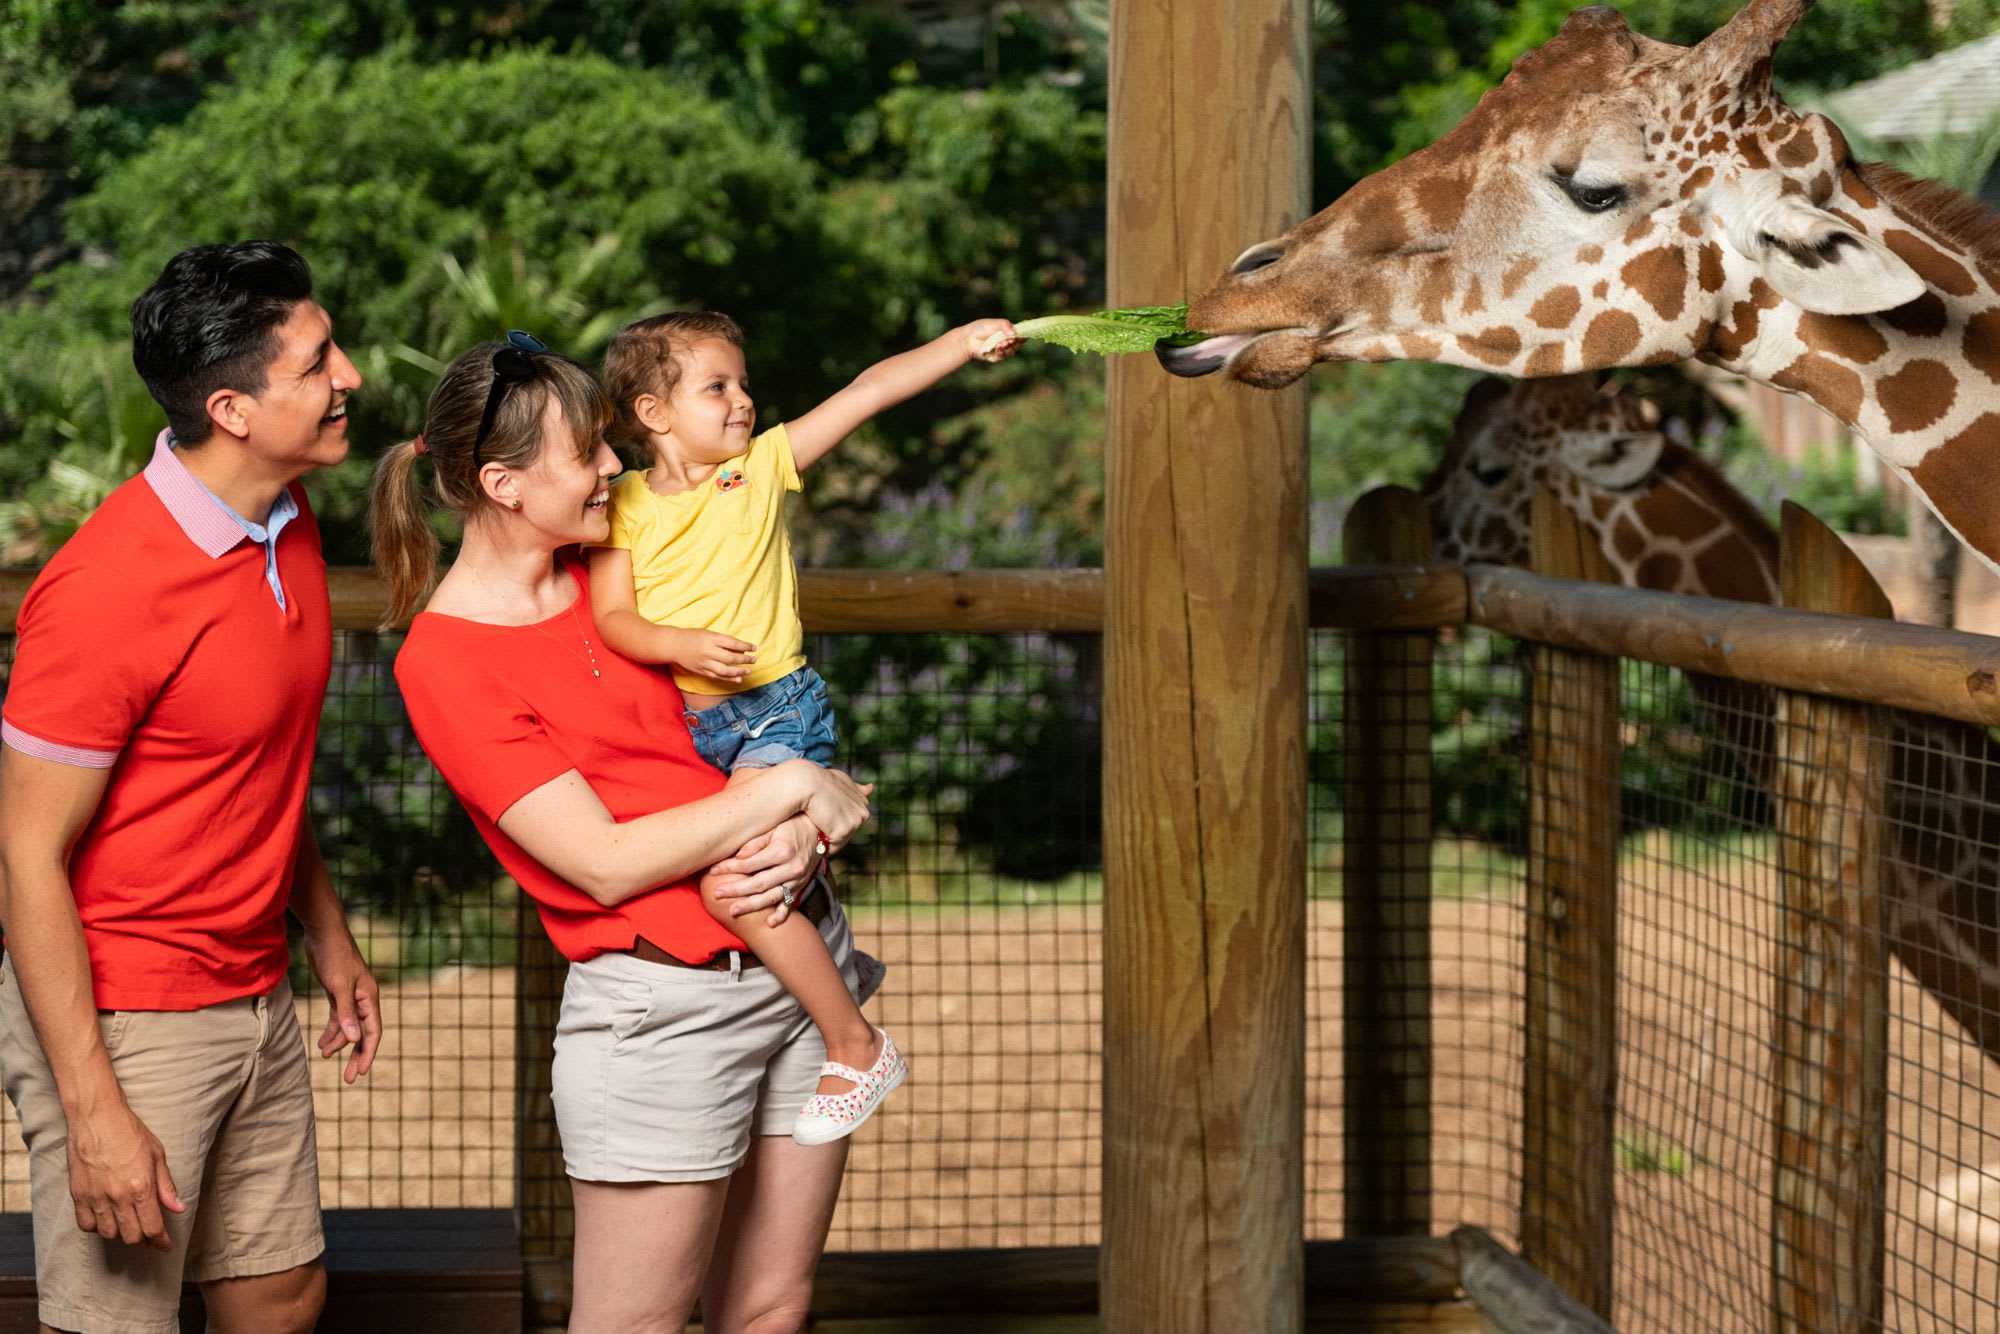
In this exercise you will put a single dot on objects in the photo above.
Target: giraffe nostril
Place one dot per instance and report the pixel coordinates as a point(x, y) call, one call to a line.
point(1259, 256)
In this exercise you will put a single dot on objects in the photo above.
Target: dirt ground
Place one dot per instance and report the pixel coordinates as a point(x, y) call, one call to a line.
point(994, 1142)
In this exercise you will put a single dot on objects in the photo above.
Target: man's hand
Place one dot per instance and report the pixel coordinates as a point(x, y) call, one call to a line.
point(118, 1178)
point(357, 1014)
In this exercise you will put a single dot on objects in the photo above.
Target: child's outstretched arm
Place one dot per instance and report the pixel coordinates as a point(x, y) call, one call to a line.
point(616, 607)
point(887, 383)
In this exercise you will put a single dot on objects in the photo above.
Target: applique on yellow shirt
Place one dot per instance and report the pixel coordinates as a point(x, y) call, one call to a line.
point(717, 558)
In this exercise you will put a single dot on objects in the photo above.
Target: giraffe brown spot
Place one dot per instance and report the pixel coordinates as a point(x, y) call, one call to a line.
point(1660, 572)
point(1923, 318)
point(1715, 143)
point(1660, 276)
point(1673, 513)
point(1601, 288)
point(1610, 339)
point(1421, 347)
point(1822, 187)
point(1845, 336)
point(1797, 151)
point(1658, 136)
point(1702, 333)
point(1435, 288)
point(1959, 476)
point(1855, 188)
point(1917, 396)
point(1690, 224)
point(1516, 274)
point(1788, 186)
point(1709, 268)
point(1641, 227)
point(1589, 254)
point(1555, 308)
point(1376, 231)
point(1751, 151)
point(1696, 181)
point(1600, 505)
point(1932, 265)
point(1730, 570)
point(1836, 142)
point(1475, 297)
point(1732, 338)
point(1496, 346)
point(1627, 538)
point(1982, 342)
point(1849, 219)
point(1441, 199)
point(1833, 386)
point(1544, 360)
point(1737, 116)
point(1496, 534)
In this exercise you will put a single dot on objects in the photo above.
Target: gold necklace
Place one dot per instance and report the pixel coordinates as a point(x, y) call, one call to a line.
point(590, 660)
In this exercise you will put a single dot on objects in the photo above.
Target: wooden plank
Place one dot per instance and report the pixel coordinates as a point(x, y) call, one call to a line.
point(1513, 1294)
point(1386, 892)
point(1904, 666)
point(1570, 1066)
point(543, 1207)
point(1204, 716)
point(1830, 1032)
point(1361, 597)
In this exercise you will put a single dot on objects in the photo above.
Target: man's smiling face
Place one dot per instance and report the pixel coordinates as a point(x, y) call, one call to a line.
point(299, 419)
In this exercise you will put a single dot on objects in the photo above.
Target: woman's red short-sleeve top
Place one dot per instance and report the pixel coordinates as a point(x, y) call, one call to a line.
point(503, 709)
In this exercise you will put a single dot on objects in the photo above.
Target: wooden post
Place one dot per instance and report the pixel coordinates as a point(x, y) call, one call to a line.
point(1570, 1095)
point(1386, 891)
point(1205, 671)
point(543, 1210)
point(1830, 1099)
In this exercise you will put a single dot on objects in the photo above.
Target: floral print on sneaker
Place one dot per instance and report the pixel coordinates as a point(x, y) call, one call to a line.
point(831, 1116)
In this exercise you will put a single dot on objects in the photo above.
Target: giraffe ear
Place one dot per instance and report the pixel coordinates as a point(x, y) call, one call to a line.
point(1612, 462)
point(1815, 260)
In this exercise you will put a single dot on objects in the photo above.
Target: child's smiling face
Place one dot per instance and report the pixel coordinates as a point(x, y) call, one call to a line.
point(710, 410)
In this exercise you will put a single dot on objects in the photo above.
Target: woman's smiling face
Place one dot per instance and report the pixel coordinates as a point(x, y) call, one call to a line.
point(566, 495)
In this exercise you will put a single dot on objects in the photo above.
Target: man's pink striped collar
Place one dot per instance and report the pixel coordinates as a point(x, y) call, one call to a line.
point(201, 516)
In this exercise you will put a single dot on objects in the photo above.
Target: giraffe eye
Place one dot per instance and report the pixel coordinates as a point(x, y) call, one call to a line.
point(1592, 198)
point(1492, 475)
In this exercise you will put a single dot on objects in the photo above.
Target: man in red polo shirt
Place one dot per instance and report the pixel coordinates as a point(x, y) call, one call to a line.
point(155, 754)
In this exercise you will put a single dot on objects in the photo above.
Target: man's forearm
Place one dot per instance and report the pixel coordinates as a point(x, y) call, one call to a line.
point(52, 967)
point(313, 899)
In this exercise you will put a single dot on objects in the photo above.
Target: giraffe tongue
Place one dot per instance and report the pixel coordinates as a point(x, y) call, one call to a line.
point(1201, 358)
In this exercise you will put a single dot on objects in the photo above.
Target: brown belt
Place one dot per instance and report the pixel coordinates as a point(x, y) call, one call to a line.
point(813, 907)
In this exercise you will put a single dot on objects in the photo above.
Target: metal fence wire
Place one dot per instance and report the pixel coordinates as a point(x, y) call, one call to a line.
point(979, 885)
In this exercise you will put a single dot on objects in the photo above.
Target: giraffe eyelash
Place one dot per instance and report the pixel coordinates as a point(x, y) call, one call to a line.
point(1591, 198)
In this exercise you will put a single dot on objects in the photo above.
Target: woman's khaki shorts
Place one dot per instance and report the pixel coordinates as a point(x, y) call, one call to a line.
point(664, 1073)
point(227, 1090)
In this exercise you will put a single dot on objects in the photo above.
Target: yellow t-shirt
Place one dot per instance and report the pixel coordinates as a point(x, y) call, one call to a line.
point(717, 558)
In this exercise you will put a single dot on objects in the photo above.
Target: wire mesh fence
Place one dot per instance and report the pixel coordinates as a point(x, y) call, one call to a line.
point(979, 884)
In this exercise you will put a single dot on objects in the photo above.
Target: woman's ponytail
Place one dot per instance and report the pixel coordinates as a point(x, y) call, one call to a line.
point(399, 529)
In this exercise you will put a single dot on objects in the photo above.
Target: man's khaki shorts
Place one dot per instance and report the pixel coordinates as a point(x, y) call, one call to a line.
point(226, 1089)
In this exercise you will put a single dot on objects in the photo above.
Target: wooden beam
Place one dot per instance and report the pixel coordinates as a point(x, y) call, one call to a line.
point(1569, 1099)
point(1205, 687)
point(1830, 1032)
point(1915, 667)
point(1513, 1294)
point(1386, 892)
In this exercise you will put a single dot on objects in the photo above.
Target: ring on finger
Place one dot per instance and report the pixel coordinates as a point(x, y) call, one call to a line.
point(787, 895)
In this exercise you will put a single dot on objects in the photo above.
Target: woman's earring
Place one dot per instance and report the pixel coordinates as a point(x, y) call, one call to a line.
point(517, 504)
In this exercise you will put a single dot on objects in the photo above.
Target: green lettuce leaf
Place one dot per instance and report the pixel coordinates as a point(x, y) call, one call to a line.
point(1133, 329)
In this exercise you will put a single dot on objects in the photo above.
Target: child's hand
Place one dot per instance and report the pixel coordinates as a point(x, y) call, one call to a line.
point(990, 340)
point(716, 656)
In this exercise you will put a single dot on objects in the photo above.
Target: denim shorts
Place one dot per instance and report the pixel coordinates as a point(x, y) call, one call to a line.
point(785, 719)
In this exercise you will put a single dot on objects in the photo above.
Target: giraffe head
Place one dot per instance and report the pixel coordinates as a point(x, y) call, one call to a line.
point(1616, 201)
point(1665, 518)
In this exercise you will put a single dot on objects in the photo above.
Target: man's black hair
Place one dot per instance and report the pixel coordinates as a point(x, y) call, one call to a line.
point(210, 321)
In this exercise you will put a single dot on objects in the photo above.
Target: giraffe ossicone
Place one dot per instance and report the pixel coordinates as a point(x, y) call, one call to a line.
point(1619, 201)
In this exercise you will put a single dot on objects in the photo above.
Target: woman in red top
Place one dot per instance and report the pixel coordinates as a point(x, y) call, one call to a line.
point(680, 1063)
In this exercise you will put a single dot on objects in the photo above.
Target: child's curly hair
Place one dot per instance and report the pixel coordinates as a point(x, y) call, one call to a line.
point(645, 358)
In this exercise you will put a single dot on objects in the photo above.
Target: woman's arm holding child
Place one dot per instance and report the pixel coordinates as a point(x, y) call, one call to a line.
point(887, 383)
point(700, 652)
point(564, 825)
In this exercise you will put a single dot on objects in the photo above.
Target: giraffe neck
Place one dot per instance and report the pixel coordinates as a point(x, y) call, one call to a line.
point(1687, 530)
point(1919, 384)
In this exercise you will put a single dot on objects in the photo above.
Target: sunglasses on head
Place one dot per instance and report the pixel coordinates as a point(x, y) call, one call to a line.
point(513, 364)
